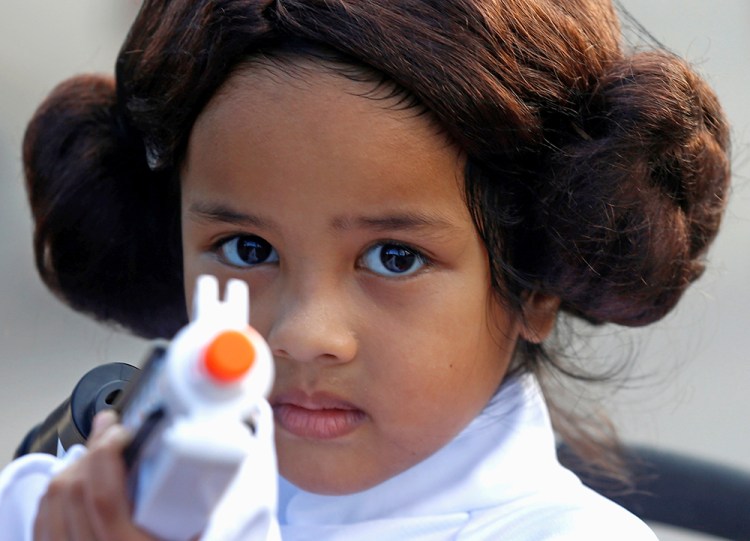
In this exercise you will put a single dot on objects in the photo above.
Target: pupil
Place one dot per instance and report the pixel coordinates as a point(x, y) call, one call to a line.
point(397, 259)
point(253, 250)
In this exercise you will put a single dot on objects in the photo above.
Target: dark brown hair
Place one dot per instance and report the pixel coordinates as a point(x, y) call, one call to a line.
point(594, 174)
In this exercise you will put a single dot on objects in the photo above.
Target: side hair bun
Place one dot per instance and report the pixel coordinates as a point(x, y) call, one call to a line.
point(647, 173)
point(105, 236)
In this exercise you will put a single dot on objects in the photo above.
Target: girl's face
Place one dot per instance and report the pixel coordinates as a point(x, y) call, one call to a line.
point(367, 276)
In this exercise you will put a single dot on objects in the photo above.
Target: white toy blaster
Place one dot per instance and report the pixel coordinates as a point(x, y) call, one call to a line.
point(195, 410)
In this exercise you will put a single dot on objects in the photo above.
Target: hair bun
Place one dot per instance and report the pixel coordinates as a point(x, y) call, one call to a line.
point(92, 196)
point(649, 175)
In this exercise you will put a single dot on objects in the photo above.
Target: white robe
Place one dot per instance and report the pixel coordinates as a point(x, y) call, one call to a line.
point(498, 479)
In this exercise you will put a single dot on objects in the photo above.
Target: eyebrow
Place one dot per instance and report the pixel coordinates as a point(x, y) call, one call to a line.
point(394, 221)
point(216, 212)
point(402, 221)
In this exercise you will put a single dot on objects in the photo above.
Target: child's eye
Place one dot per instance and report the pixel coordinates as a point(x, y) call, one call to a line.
point(247, 251)
point(391, 259)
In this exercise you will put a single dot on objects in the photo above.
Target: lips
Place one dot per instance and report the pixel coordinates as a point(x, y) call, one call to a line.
point(319, 416)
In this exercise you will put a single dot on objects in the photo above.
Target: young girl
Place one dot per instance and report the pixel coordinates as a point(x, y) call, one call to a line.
point(412, 190)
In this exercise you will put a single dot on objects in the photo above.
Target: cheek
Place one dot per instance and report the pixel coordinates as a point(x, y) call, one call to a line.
point(439, 353)
point(190, 275)
point(452, 318)
point(191, 267)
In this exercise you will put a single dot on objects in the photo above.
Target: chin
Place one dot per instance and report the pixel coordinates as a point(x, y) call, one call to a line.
point(312, 478)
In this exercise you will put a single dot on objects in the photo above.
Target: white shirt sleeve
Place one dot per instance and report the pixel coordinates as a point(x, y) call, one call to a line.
point(23, 482)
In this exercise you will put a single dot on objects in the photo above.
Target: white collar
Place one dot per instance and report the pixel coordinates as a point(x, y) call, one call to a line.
point(507, 451)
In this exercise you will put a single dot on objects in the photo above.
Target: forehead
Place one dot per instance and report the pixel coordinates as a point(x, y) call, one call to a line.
point(270, 78)
point(295, 121)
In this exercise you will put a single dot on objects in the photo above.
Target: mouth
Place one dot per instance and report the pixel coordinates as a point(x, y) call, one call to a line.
point(319, 416)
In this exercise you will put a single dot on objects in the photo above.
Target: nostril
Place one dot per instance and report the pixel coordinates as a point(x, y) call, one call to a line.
point(280, 352)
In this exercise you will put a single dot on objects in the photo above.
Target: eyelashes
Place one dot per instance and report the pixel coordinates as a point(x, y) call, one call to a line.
point(393, 259)
point(245, 251)
point(387, 258)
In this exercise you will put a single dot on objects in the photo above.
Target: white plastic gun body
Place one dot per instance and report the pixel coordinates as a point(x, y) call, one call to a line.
point(205, 400)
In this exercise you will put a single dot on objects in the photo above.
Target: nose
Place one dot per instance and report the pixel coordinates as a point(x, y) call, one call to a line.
point(313, 327)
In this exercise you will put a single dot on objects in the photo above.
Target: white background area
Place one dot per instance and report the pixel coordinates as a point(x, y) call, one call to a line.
point(692, 394)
